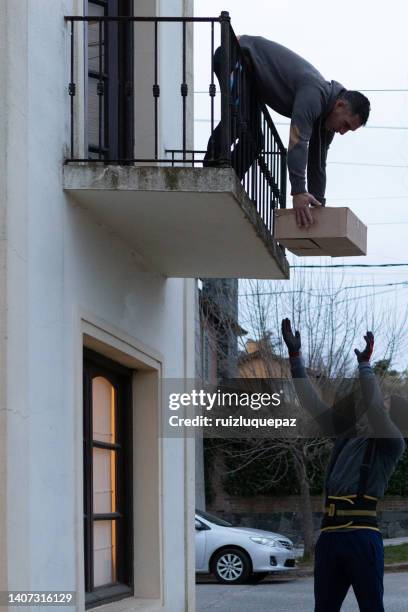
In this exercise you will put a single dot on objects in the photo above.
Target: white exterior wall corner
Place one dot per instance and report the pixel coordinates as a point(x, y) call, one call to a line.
point(55, 260)
point(3, 303)
point(170, 137)
point(190, 311)
point(14, 481)
point(190, 334)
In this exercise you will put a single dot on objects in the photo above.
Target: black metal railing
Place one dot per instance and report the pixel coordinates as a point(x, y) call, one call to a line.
point(108, 98)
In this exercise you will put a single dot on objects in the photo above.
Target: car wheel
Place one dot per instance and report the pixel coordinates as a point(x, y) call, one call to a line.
point(258, 577)
point(231, 566)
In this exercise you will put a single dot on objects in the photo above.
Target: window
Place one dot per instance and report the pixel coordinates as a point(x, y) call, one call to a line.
point(110, 81)
point(108, 530)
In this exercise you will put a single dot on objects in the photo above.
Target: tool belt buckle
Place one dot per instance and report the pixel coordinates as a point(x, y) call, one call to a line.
point(332, 510)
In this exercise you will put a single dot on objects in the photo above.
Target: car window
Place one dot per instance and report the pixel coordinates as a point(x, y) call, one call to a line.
point(213, 519)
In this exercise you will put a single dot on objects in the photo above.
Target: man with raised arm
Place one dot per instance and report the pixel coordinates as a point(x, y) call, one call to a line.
point(349, 551)
point(318, 109)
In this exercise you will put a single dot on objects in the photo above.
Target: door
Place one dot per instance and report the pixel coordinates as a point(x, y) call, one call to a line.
point(110, 81)
point(200, 541)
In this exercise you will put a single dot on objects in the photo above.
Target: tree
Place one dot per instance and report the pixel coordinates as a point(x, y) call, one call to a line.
point(332, 316)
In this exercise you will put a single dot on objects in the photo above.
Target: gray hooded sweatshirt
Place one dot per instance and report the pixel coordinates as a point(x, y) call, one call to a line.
point(292, 87)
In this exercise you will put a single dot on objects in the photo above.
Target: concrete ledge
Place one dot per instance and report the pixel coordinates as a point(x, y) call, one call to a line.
point(186, 222)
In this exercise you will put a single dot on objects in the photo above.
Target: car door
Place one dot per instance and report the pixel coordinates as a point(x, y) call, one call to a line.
point(200, 544)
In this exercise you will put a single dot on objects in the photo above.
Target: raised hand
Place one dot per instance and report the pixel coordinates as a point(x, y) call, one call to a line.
point(365, 355)
point(292, 340)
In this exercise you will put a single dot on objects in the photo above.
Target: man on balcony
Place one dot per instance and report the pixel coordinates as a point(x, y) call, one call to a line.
point(318, 110)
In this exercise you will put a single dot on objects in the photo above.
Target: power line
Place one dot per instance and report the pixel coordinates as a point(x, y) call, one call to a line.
point(369, 164)
point(389, 223)
point(366, 127)
point(347, 287)
point(287, 123)
point(386, 127)
point(357, 275)
point(204, 91)
point(388, 90)
point(375, 294)
point(387, 265)
point(335, 293)
point(381, 197)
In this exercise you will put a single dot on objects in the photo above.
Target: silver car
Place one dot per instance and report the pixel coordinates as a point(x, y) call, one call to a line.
point(239, 554)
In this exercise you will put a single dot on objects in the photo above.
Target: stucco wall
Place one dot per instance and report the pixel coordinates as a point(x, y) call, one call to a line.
point(3, 305)
point(60, 263)
point(13, 303)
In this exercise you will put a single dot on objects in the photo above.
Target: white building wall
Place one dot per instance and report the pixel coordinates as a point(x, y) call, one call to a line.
point(170, 76)
point(3, 308)
point(14, 486)
point(61, 263)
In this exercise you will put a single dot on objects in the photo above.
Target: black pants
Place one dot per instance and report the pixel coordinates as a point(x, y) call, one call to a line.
point(353, 558)
point(246, 133)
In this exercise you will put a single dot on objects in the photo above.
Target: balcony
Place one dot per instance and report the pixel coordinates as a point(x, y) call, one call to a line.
point(132, 163)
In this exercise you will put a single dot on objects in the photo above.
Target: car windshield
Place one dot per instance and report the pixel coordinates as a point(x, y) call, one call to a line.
point(213, 519)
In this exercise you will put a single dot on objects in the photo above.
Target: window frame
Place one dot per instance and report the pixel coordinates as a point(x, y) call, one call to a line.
point(121, 378)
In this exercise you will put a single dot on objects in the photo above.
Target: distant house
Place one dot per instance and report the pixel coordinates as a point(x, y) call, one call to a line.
point(259, 361)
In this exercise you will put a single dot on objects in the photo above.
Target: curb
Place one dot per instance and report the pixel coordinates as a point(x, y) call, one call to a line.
point(389, 567)
point(396, 567)
point(306, 572)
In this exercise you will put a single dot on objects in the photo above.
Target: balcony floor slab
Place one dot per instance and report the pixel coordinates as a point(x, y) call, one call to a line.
point(184, 222)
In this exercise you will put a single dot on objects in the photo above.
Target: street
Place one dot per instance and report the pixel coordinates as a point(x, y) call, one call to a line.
point(288, 595)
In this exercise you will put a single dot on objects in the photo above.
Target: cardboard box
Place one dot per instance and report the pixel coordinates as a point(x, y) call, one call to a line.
point(336, 232)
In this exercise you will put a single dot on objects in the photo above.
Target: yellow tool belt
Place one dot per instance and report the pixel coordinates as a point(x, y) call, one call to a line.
point(350, 511)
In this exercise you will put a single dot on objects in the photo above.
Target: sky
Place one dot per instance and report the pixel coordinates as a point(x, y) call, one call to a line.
point(362, 44)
